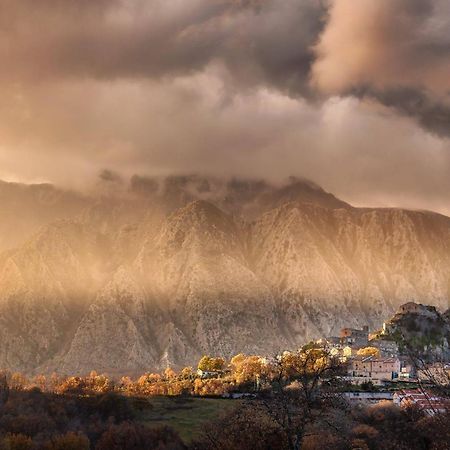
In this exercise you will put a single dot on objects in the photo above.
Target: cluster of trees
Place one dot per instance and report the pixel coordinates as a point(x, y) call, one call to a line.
point(299, 415)
point(36, 420)
point(298, 406)
point(242, 373)
point(331, 426)
point(304, 410)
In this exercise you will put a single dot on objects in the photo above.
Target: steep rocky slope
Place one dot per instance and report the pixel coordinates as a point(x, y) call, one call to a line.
point(349, 264)
point(44, 287)
point(198, 263)
point(26, 208)
point(170, 269)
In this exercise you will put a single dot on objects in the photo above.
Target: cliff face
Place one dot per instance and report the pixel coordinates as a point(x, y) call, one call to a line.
point(352, 264)
point(191, 266)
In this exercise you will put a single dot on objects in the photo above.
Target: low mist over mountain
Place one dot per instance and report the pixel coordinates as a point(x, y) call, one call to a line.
point(161, 271)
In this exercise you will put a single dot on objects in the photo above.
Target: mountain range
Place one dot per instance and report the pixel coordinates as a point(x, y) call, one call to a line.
point(159, 271)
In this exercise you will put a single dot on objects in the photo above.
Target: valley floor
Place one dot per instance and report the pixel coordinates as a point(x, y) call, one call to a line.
point(186, 415)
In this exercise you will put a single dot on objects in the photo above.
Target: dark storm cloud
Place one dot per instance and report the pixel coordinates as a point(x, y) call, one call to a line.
point(432, 114)
point(379, 47)
point(353, 94)
point(260, 41)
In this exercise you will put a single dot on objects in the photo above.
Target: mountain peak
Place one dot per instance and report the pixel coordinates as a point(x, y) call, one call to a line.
point(305, 191)
point(201, 214)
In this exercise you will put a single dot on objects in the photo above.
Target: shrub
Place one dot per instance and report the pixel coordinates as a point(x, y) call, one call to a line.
point(16, 442)
point(129, 436)
point(113, 405)
point(68, 441)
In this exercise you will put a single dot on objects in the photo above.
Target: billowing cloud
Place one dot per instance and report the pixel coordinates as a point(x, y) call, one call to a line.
point(350, 94)
point(397, 51)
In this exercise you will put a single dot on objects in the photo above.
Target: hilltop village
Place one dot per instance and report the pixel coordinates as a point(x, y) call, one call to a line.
point(342, 390)
point(412, 347)
point(411, 350)
point(389, 355)
point(401, 362)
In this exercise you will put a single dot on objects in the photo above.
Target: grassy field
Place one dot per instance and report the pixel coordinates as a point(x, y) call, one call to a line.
point(185, 414)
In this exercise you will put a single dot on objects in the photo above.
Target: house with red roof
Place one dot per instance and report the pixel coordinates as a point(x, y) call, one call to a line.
point(427, 401)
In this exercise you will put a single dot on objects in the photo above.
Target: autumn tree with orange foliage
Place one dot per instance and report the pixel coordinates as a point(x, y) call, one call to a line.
point(211, 364)
point(369, 351)
point(249, 368)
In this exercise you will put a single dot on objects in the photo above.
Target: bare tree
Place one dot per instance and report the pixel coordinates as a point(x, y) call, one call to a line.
point(299, 390)
point(4, 389)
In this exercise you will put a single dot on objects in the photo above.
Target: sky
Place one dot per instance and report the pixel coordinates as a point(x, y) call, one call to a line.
point(354, 95)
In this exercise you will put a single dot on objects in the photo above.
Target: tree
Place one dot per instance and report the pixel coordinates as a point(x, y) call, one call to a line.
point(112, 405)
point(4, 389)
point(18, 381)
point(187, 373)
point(40, 381)
point(55, 381)
point(326, 440)
point(369, 351)
point(71, 385)
point(247, 427)
point(299, 391)
point(169, 374)
point(17, 442)
point(210, 364)
point(128, 436)
point(249, 368)
point(98, 383)
point(68, 441)
point(126, 385)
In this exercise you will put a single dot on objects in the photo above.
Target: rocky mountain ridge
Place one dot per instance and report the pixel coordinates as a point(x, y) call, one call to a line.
point(170, 270)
